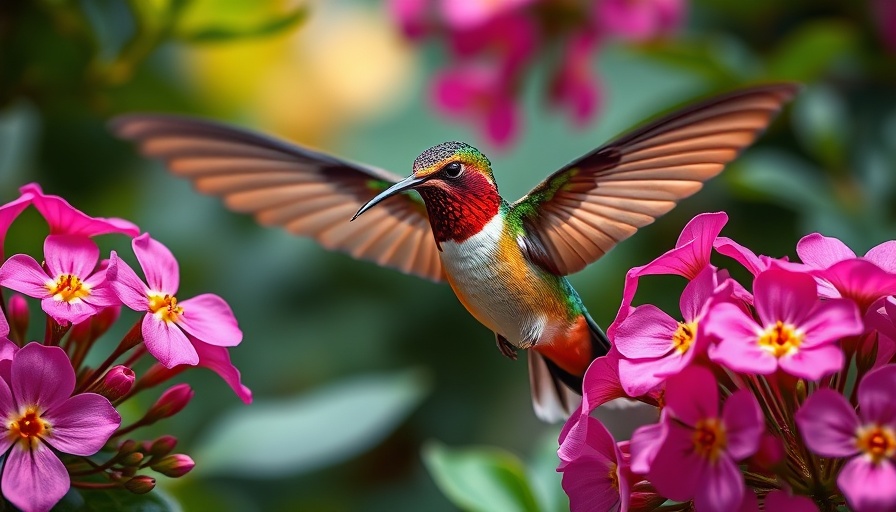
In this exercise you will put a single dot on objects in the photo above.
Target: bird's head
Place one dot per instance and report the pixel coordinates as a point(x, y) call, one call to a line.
point(452, 178)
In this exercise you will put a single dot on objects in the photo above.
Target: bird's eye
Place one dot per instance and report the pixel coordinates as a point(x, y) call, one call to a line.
point(453, 169)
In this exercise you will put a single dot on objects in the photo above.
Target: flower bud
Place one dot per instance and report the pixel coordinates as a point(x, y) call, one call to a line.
point(769, 455)
point(172, 401)
point(117, 383)
point(17, 310)
point(128, 446)
point(132, 459)
point(140, 484)
point(162, 446)
point(174, 466)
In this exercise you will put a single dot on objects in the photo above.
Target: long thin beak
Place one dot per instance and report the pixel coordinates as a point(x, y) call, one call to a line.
point(405, 184)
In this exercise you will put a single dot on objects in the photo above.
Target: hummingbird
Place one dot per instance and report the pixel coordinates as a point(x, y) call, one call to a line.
point(506, 262)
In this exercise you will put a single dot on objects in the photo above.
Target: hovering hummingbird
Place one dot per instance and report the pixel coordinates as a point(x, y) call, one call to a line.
point(506, 262)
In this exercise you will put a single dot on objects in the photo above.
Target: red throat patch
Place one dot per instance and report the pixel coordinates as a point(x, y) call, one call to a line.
point(459, 210)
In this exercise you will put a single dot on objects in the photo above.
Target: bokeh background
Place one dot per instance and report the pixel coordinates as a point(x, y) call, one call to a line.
point(364, 378)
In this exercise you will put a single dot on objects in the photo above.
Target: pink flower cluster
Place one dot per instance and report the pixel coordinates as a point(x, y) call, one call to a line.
point(495, 45)
point(779, 394)
point(59, 414)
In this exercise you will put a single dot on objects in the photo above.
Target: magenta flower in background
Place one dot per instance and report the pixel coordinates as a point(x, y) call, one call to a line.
point(40, 418)
point(70, 288)
point(697, 458)
point(884, 14)
point(639, 20)
point(782, 501)
point(465, 15)
point(830, 427)
point(168, 321)
point(796, 332)
point(65, 219)
point(573, 86)
point(478, 92)
point(597, 479)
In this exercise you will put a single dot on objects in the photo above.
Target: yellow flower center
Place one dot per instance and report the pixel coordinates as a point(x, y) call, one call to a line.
point(709, 438)
point(28, 428)
point(68, 288)
point(781, 339)
point(876, 442)
point(614, 476)
point(684, 336)
point(165, 307)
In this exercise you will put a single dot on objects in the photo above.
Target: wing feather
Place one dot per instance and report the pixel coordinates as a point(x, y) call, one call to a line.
point(581, 211)
point(308, 193)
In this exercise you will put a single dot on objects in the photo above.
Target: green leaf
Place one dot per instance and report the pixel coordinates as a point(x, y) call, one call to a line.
point(329, 425)
point(480, 479)
point(820, 120)
point(114, 500)
point(786, 179)
point(266, 28)
point(546, 481)
point(812, 49)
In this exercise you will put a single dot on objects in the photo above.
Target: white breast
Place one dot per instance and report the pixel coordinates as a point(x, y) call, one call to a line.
point(479, 278)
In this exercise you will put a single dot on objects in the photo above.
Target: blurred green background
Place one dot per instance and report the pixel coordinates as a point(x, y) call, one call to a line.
point(356, 370)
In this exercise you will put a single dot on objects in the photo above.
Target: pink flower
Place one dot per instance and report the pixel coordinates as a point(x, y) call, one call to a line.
point(597, 478)
point(465, 15)
point(639, 20)
point(481, 93)
point(216, 359)
point(411, 16)
point(782, 501)
point(168, 321)
point(40, 418)
point(689, 257)
point(573, 85)
point(655, 346)
point(830, 427)
point(63, 218)
point(697, 459)
point(9, 212)
point(70, 289)
point(796, 332)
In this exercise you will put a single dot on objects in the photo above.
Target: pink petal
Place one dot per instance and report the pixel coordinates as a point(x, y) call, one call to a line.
point(41, 376)
point(24, 274)
point(589, 487)
point(781, 501)
point(740, 254)
point(738, 349)
point(65, 219)
point(7, 407)
point(744, 424)
point(646, 442)
point(876, 402)
point(723, 487)
point(831, 320)
point(647, 332)
point(868, 486)
point(884, 256)
point(132, 292)
point(158, 264)
point(781, 295)
point(69, 254)
point(692, 395)
point(813, 363)
point(828, 423)
point(82, 424)
point(640, 376)
point(601, 382)
point(697, 294)
point(74, 312)
point(9, 212)
point(821, 251)
point(209, 319)
point(167, 343)
point(217, 359)
point(34, 480)
point(860, 280)
point(677, 470)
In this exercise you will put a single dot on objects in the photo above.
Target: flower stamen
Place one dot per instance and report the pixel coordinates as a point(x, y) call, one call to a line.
point(165, 307)
point(709, 438)
point(28, 428)
point(684, 336)
point(68, 288)
point(781, 339)
point(877, 442)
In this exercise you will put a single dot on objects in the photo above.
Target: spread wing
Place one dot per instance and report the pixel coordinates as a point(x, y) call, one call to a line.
point(584, 209)
point(305, 192)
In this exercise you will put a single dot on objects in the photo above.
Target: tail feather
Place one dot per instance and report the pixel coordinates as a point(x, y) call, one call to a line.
point(556, 393)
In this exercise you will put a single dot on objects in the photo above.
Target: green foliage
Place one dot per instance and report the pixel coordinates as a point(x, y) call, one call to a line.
point(275, 25)
point(322, 428)
point(83, 500)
